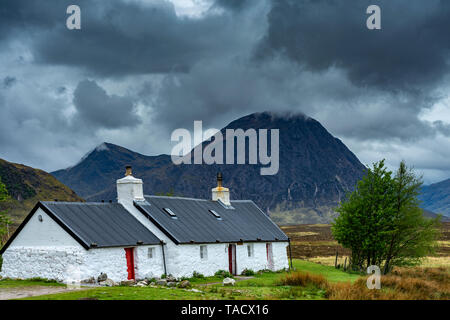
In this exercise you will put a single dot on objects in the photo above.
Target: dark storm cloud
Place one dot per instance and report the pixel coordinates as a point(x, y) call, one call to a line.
point(410, 52)
point(118, 37)
point(95, 107)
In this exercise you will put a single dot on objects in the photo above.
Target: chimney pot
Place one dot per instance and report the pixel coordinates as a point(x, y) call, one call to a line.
point(128, 171)
point(129, 188)
point(219, 179)
point(221, 193)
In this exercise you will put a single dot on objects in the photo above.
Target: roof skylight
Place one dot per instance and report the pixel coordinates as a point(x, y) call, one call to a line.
point(170, 212)
point(215, 214)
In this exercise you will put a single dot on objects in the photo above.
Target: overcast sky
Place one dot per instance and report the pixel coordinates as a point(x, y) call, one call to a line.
point(140, 68)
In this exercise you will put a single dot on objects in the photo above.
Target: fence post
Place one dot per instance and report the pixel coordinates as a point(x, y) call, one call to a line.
point(335, 261)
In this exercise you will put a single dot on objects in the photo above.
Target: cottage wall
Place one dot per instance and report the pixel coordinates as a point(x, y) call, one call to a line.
point(42, 249)
point(183, 260)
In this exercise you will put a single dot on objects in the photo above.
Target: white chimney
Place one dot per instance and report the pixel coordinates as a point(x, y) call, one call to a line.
point(129, 188)
point(221, 193)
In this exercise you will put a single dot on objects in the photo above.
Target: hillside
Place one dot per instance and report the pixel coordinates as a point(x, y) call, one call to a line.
point(436, 197)
point(316, 171)
point(26, 186)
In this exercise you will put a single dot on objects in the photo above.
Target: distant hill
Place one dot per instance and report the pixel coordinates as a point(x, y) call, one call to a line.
point(26, 186)
point(316, 171)
point(433, 215)
point(436, 197)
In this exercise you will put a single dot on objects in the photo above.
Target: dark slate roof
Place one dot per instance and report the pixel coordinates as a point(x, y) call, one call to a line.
point(195, 224)
point(103, 224)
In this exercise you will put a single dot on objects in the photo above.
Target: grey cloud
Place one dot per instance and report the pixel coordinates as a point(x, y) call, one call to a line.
point(121, 38)
point(95, 107)
point(9, 81)
point(409, 53)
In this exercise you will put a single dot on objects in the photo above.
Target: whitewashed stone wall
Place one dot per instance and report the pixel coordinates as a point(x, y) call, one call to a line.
point(259, 259)
point(113, 262)
point(42, 249)
point(280, 257)
point(60, 263)
point(148, 267)
point(44, 262)
point(183, 260)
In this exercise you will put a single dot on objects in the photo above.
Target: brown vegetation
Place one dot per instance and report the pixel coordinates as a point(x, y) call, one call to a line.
point(310, 241)
point(304, 279)
point(401, 284)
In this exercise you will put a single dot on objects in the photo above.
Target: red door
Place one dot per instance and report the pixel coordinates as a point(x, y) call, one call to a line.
point(232, 258)
point(129, 253)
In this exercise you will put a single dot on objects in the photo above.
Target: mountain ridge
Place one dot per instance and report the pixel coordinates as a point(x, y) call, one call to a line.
point(316, 171)
point(26, 186)
point(436, 197)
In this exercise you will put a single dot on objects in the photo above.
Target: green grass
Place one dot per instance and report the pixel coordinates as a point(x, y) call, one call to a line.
point(8, 283)
point(262, 286)
point(124, 293)
point(205, 280)
point(330, 273)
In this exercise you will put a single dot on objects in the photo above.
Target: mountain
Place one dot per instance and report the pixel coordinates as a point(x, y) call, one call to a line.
point(315, 172)
point(26, 186)
point(436, 197)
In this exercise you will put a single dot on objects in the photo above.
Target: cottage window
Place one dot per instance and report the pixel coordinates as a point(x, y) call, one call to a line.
point(250, 250)
point(151, 253)
point(203, 252)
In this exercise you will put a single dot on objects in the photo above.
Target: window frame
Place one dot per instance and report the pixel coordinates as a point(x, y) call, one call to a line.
point(151, 253)
point(250, 250)
point(203, 252)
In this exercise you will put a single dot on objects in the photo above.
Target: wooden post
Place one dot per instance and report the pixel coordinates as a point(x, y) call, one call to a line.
point(345, 264)
point(335, 261)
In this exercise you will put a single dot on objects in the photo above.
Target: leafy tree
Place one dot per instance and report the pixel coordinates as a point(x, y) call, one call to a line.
point(5, 220)
point(381, 221)
point(410, 235)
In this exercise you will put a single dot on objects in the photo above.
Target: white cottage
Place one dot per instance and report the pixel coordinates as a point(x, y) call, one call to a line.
point(143, 237)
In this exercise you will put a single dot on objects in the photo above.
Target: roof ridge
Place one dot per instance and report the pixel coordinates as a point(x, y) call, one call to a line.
point(190, 198)
point(171, 197)
point(79, 203)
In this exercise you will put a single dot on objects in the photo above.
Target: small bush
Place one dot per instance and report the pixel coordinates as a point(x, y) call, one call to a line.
point(304, 279)
point(163, 276)
point(197, 275)
point(248, 272)
point(223, 274)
